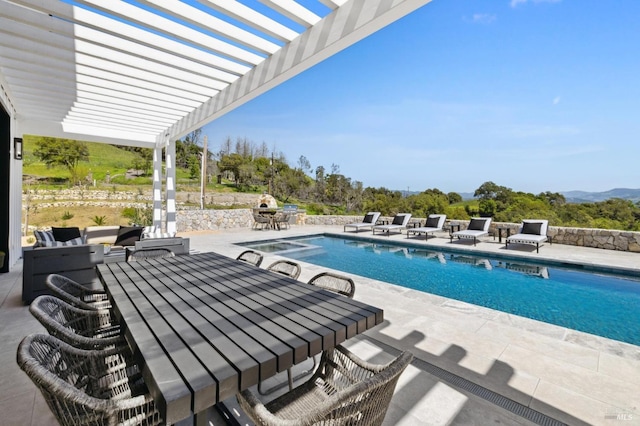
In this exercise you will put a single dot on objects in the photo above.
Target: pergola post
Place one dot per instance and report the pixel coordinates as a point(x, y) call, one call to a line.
point(170, 163)
point(157, 187)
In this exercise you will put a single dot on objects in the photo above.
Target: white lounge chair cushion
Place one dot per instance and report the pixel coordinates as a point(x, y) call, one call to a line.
point(434, 223)
point(369, 220)
point(478, 227)
point(527, 238)
point(399, 222)
point(531, 232)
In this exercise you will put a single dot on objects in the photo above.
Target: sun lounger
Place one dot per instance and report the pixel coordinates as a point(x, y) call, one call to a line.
point(531, 232)
point(478, 227)
point(368, 222)
point(399, 223)
point(435, 222)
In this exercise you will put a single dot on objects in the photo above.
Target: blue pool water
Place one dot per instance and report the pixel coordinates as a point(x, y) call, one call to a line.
point(601, 304)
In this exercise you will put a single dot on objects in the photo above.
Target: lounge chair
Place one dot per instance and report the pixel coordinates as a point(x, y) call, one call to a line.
point(399, 223)
point(478, 227)
point(368, 222)
point(435, 223)
point(531, 232)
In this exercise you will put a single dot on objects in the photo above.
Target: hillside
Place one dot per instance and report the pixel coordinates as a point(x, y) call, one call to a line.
point(104, 158)
point(592, 197)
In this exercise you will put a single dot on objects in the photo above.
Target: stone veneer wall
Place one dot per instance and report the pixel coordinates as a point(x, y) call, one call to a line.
point(207, 220)
point(196, 220)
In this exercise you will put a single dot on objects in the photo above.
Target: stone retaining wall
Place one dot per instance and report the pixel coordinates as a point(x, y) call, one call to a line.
point(195, 220)
point(204, 220)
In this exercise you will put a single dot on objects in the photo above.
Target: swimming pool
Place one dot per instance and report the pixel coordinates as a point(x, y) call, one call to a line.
point(603, 304)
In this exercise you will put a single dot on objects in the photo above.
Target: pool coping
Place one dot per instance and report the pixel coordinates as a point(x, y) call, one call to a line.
point(545, 261)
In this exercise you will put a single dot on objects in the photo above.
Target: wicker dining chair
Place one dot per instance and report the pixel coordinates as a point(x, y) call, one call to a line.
point(281, 220)
point(262, 221)
point(252, 257)
point(76, 294)
point(148, 253)
point(286, 267)
point(87, 387)
point(343, 390)
point(334, 282)
point(82, 328)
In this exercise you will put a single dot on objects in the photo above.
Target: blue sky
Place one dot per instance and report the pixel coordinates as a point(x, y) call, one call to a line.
point(535, 95)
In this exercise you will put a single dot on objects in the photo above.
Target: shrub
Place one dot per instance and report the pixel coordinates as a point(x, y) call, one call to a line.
point(99, 220)
point(67, 215)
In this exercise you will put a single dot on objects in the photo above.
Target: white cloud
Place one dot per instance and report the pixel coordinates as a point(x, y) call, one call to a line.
point(556, 100)
point(483, 18)
point(515, 3)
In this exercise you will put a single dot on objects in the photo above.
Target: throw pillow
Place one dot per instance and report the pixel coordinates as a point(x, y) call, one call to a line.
point(432, 222)
point(368, 218)
point(73, 242)
point(128, 235)
point(476, 225)
point(531, 228)
point(44, 238)
point(65, 234)
point(398, 220)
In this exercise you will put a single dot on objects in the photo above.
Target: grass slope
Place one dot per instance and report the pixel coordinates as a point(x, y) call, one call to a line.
point(103, 158)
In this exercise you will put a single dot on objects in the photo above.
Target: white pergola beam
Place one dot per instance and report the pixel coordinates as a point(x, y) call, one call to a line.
point(174, 29)
point(352, 22)
point(294, 11)
point(252, 18)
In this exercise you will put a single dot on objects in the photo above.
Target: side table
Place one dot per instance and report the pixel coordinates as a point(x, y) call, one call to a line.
point(503, 228)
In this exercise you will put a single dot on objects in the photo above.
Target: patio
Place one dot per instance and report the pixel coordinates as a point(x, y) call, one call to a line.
point(473, 365)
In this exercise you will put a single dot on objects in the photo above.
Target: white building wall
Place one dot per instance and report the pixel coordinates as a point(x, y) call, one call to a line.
point(15, 189)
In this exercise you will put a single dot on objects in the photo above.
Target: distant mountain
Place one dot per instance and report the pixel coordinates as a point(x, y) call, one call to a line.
point(466, 195)
point(592, 197)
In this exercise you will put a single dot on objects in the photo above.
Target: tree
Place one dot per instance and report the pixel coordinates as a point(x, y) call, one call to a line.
point(232, 163)
point(304, 164)
point(454, 197)
point(194, 167)
point(63, 152)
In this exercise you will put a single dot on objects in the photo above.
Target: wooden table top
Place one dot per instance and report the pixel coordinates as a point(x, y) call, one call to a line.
point(206, 326)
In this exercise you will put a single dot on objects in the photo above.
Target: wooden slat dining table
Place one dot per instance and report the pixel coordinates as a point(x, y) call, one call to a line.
point(206, 326)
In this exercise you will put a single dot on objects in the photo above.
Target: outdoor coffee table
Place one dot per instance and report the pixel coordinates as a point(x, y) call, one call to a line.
point(206, 326)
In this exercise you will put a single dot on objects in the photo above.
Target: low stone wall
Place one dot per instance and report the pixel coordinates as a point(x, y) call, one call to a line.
point(608, 239)
point(196, 220)
point(213, 220)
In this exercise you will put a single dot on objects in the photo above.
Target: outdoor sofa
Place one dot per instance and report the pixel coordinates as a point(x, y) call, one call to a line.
point(75, 254)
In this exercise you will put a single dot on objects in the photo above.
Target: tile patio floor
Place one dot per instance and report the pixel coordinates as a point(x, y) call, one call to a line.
point(468, 358)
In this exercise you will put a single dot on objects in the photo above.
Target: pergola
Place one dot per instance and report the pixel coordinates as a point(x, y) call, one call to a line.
point(147, 72)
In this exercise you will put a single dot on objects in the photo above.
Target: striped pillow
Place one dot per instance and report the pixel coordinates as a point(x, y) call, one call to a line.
point(73, 242)
point(44, 239)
